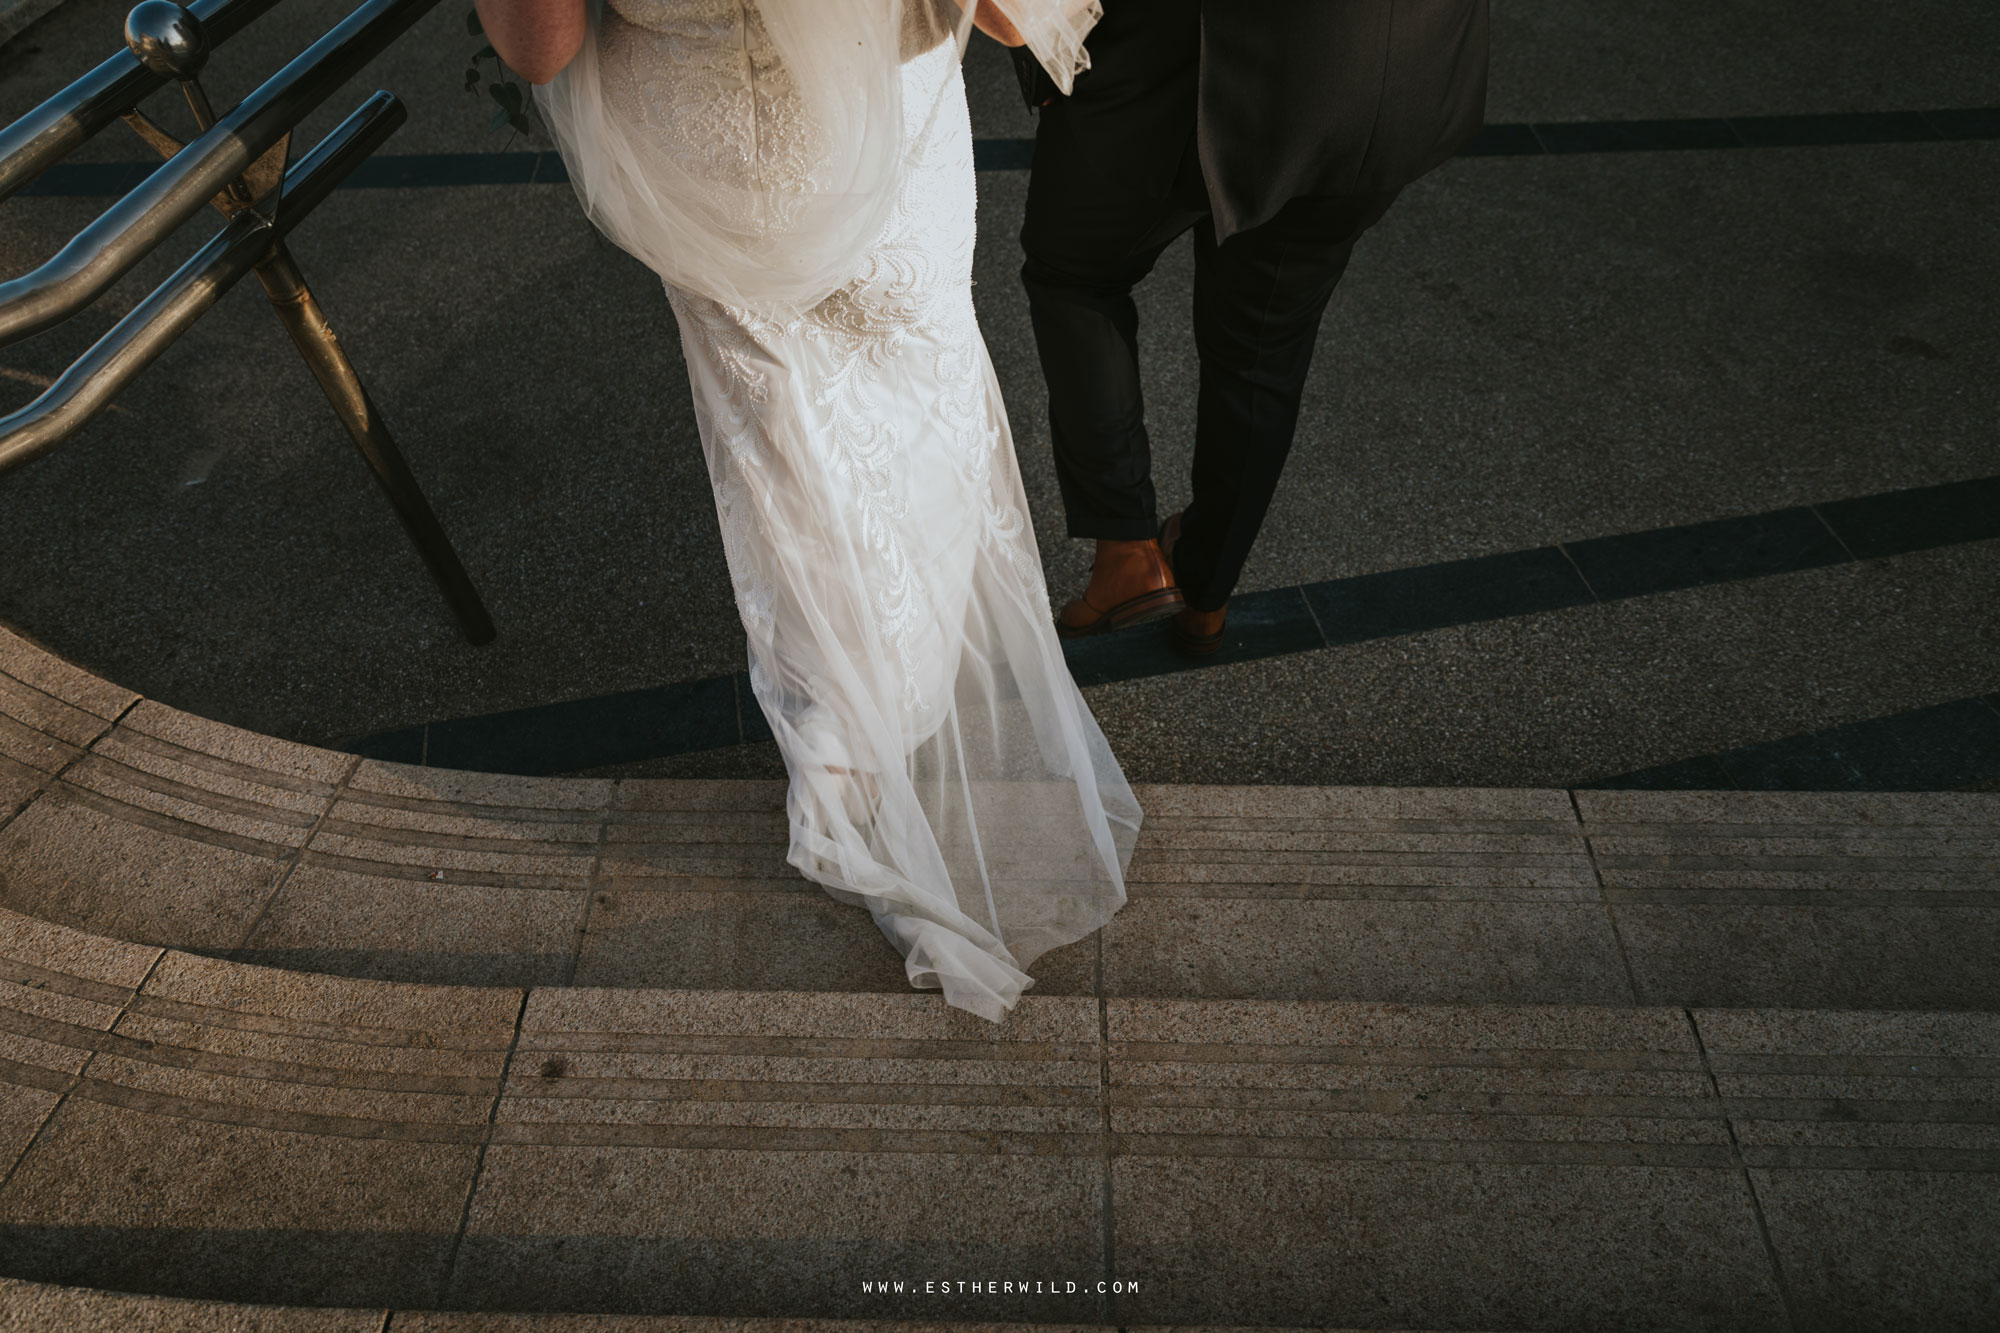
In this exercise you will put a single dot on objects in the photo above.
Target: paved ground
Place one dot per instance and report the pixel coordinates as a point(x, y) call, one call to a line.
point(1530, 350)
point(1349, 1057)
point(298, 858)
point(192, 1127)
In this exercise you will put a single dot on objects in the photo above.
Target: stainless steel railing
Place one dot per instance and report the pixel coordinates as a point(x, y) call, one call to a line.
point(55, 128)
point(237, 164)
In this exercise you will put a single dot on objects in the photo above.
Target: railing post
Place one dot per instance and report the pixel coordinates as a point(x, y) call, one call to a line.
point(314, 338)
point(252, 191)
point(169, 40)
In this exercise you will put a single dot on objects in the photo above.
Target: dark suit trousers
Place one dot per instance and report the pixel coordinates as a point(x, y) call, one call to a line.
point(1258, 299)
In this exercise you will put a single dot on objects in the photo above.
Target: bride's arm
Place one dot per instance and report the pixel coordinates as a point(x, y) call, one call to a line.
point(535, 37)
point(989, 20)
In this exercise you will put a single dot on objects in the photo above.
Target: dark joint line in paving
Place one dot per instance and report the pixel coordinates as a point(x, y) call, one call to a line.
point(1558, 138)
point(1955, 745)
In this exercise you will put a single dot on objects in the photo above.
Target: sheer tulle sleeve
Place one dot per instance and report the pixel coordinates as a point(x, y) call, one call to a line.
point(1055, 31)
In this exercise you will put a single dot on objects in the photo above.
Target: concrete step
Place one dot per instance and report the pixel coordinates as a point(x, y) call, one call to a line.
point(192, 1126)
point(34, 1307)
point(1364, 1058)
point(129, 818)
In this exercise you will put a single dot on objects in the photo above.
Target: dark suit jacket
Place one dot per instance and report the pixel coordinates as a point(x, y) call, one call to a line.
point(1279, 98)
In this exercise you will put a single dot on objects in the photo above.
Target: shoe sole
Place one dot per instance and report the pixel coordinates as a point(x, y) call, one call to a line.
point(1142, 610)
point(1187, 645)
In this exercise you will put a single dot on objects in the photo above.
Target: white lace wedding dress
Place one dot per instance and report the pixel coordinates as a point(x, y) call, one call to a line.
point(945, 772)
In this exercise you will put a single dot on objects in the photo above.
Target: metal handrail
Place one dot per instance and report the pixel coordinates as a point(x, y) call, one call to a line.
point(237, 164)
point(107, 249)
point(59, 125)
point(95, 378)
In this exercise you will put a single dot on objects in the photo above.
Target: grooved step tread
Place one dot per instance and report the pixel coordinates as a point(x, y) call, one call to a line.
point(195, 1126)
point(127, 818)
point(36, 1306)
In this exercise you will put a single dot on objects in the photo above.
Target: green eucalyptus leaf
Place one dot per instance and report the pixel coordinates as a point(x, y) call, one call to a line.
point(472, 26)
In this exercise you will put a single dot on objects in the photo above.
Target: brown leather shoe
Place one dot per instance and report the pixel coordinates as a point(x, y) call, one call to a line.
point(1197, 633)
point(1170, 532)
point(1129, 585)
point(1191, 633)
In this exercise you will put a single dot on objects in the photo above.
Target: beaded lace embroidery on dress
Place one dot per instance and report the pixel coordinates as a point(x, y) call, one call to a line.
point(945, 771)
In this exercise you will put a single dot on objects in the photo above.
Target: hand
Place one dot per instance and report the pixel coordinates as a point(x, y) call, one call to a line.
point(989, 20)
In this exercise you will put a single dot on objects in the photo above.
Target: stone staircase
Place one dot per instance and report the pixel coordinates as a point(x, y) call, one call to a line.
point(39, 1306)
point(333, 1043)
